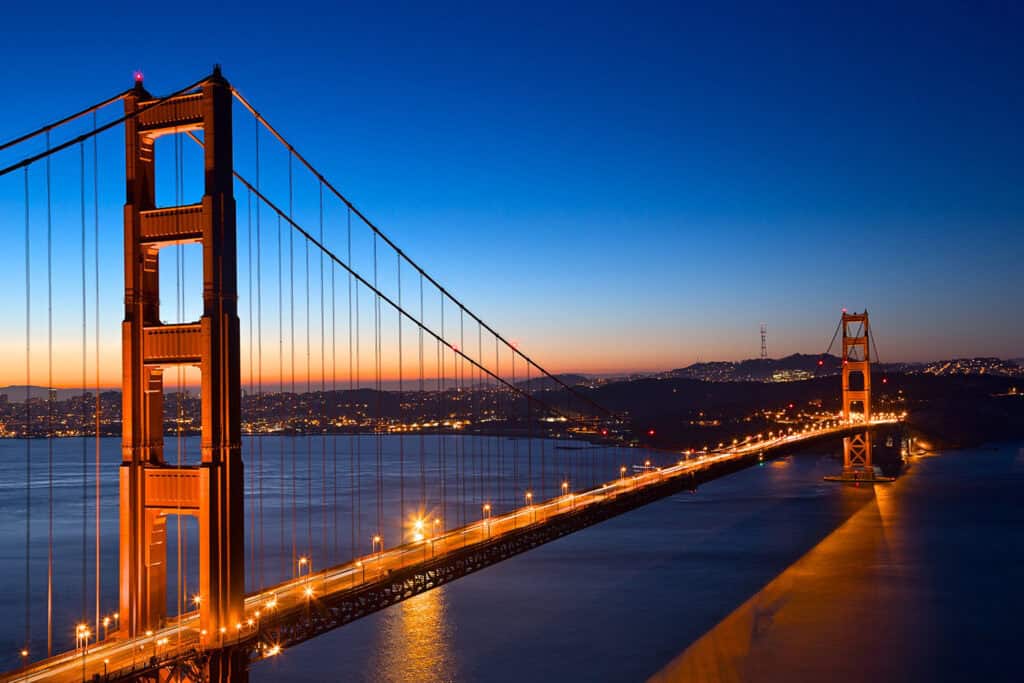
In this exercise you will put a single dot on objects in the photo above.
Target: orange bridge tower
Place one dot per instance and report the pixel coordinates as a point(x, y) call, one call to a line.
point(857, 461)
point(857, 394)
point(150, 488)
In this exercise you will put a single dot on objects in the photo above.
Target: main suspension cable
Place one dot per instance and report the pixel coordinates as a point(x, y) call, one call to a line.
point(320, 177)
point(92, 109)
point(96, 131)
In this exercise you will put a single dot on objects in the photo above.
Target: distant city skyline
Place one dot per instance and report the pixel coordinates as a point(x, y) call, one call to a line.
point(617, 200)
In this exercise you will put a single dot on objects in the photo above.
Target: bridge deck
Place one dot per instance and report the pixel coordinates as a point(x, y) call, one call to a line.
point(302, 608)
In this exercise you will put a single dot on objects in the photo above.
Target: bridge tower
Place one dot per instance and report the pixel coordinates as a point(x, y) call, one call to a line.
point(857, 463)
point(150, 488)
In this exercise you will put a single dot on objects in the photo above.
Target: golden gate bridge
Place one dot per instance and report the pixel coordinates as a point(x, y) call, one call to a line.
point(315, 276)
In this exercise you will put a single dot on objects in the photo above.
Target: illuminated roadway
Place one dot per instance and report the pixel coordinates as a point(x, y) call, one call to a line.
point(120, 656)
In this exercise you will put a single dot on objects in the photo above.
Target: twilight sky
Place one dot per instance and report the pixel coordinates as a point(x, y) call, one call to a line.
point(617, 186)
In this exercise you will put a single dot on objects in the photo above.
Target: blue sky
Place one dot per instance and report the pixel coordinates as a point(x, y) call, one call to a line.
point(619, 186)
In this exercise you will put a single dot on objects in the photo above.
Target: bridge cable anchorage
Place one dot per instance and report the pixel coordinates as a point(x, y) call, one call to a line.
point(320, 177)
point(92, 109)
point(96, 131)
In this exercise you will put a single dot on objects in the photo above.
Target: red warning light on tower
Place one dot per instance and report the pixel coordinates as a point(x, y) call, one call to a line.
point(650, 432)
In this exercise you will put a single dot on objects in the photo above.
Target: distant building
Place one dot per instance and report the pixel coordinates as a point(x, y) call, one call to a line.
point(791, 375)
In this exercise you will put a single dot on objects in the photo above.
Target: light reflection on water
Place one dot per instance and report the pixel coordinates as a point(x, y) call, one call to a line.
point(415, 639)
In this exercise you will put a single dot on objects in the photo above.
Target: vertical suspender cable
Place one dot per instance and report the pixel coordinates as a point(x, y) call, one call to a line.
point(250, 499)
point(96, 332)
point(401, 413)
point(460, 453)
point(85, 405)
point(421, 415)
point(500, 471)
point(280, 373)
point(49, 403)
point(515, 444)
point(28, 422)
point(351, 397)
point(336, 555)
point(359, 436)
point(307, 437)
point(259, 365)
point(377, 386)
point(442, 451)
point(291, 311)
point(323, 396)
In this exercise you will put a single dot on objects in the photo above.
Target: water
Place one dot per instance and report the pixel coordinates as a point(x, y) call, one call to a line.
point(768, 574)
point(917, 581)
point(301, 493)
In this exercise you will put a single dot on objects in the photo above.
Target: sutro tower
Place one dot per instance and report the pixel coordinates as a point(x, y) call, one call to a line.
point(764, 341)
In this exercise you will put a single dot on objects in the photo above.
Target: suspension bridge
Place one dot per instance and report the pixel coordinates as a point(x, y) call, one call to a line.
point(361, 437)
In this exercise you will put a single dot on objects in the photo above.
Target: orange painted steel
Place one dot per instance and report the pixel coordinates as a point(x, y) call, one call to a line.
point(857, 462)
point(150, 488)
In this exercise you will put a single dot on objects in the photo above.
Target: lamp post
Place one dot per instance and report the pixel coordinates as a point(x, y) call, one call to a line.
point(487, 519)
point(529, 503)
point(305, 562)
point(83, 633)
point(378, 547)
point(106, 627)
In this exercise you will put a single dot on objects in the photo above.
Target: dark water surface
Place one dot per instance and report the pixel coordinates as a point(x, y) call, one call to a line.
point(769, 574)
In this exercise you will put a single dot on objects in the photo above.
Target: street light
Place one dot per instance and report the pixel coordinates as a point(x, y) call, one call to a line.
point(622, 472)
point(529, 503)
point(378, 539)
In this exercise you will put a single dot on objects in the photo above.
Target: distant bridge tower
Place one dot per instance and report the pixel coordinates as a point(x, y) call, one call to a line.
point(150, 488)
point(857, 464)
point(764, 341)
